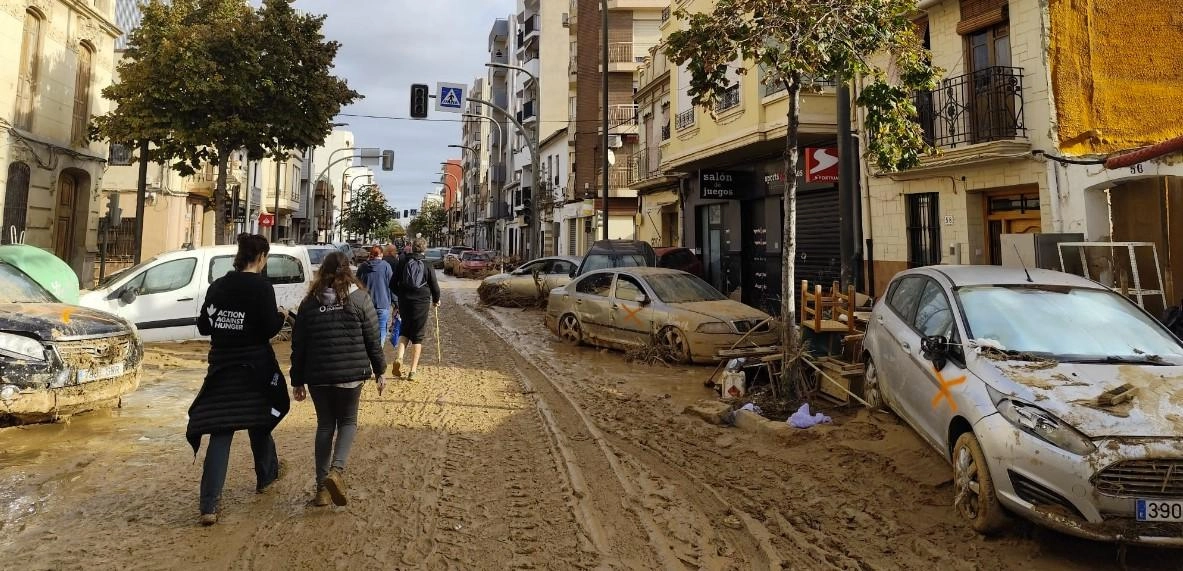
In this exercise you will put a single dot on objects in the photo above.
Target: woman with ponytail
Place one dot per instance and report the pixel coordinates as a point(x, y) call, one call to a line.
point(336, 347)
point(244, 388)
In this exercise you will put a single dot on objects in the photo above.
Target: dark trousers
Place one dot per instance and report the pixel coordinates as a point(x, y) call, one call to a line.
point(336, 413)
point(217, 461)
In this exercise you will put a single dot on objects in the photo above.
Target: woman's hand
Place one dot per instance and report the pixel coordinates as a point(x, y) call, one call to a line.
point(299, 393)
point(381, 384)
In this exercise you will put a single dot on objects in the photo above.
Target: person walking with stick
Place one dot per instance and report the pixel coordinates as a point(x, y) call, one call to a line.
point(418, 292)
point(336, 346)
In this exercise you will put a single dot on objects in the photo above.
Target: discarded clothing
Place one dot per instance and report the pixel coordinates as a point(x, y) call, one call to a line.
point(803, 419)
point(750, 407)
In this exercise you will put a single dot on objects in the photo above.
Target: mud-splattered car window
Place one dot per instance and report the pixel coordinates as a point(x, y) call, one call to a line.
point(16, 287)
point(933, 315)
point(598, 284)
point(683, 288)
point(1064, 323)
point(603, 261)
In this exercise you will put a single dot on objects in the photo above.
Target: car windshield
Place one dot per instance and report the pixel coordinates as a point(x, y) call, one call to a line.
point(603, 261)
point(16, 287)
point(434, 254)
point(1071, 324)
point(682, 288)
point(316, 256)
point(474, 257)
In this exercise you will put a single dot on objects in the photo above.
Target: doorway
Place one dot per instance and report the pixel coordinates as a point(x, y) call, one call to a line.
point(1010, 212)
point(70, 217)
point(711, 237)
point(993, 88)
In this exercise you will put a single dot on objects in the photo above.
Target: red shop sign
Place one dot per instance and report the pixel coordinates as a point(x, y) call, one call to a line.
point(266, 220)
point(821, 164)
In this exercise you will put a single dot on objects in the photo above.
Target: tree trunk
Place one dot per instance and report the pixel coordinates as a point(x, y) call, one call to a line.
point(789, 333)
point(141, 199)
point(220, 195)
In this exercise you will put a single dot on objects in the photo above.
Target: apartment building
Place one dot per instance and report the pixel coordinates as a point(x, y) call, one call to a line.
point(58, 57)
point(633, 28)
point(659, 191)
point(476, 143)
point(498, 210)
point(1034, 98)
point(725, 166)
point(281, 190)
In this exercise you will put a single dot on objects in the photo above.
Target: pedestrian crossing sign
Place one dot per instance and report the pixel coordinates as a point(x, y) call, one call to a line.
point(449, 97)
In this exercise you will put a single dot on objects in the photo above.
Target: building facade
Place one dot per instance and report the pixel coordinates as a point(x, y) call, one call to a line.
point(58, 58)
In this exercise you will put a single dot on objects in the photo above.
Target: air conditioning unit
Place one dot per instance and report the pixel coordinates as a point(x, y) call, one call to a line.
point(615, 142)
point(566, 20)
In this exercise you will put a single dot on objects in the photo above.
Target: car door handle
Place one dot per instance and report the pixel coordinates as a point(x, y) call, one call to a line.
point(879, 319)
point(614, 306)
point(905, 345)
point(185, 299)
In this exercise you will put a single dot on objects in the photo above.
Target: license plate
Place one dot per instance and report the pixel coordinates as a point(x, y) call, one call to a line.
point(1160, 510)
point(101, 373)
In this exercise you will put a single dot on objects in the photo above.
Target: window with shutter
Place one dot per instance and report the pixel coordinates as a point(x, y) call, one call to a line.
point(82, 95)
point(26, 89)
point(16, 203)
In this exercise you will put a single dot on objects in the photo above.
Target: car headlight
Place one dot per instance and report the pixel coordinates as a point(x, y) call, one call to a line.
point(714, 327)
point(1042, 425)
point(22, 347)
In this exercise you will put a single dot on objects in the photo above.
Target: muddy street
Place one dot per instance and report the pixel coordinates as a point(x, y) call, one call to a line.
point(515, 452)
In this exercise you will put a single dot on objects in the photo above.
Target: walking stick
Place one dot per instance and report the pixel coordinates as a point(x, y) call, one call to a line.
point(439, 351)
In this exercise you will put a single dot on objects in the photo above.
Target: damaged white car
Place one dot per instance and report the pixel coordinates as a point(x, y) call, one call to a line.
point(1054, 398)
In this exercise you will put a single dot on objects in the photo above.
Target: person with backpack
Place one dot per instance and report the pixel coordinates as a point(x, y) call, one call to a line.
point(376, 275)
point(336, 347)
point(417, 292)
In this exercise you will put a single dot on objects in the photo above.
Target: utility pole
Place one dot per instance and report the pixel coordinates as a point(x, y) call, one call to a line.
point(604, 87)
point(141, 198)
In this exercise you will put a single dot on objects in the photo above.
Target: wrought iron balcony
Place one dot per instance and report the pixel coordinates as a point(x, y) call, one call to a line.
point(982, 106)
point(665, 132)
point(684, 119)
point(730, 99)
point(645, 165)
point(622, 115)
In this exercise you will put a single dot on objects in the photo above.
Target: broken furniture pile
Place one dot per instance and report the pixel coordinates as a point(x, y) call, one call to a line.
point(833, 325)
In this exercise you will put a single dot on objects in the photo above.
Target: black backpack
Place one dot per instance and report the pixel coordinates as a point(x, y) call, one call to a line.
point(413, 276)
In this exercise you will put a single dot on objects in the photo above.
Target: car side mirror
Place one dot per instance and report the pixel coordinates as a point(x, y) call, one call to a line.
point(935, 349)
point(572, 274)
point(643, 299)
point(128, 296)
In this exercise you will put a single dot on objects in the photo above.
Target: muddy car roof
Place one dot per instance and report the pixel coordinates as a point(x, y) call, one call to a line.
point(998, 275)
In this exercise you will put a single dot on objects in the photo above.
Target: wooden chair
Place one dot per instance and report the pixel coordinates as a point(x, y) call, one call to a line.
point(814, 305)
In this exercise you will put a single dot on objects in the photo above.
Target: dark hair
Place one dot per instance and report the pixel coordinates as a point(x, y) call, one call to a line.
point(250, 247)
point(334, 273)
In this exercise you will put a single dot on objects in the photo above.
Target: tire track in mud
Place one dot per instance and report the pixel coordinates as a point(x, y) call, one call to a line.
point(678, 512)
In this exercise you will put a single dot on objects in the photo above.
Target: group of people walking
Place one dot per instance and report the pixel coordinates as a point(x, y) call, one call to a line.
point(338, 337)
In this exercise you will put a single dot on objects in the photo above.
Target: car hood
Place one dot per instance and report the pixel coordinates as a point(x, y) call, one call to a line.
point(1071, 391)
point(722, 310)
point(497, 279)
point(51, 321)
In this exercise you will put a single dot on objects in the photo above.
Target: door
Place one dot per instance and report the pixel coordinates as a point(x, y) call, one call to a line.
point(164, 305)
point(711, 237)
point(893, 339)
point(927, 394)
point(592, 305)
point(559, 274)
point(633, 316)
point(1010, 212)
point(992, 97)
point(63, 240)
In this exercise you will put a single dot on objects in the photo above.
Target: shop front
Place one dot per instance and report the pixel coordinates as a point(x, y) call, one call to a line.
point(734, 218)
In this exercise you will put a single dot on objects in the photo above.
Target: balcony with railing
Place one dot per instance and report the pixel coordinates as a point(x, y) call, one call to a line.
point(665, 130)
point(622, 118)
point(626, 56)
point(646, 165)
point(619, 176)
point(978, 107)
point(768, 90)
point(730, 99)
point(528, 112)
point(684, 119)
point(531, 30)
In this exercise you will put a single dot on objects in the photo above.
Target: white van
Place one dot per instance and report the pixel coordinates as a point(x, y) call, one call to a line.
point(163, 295)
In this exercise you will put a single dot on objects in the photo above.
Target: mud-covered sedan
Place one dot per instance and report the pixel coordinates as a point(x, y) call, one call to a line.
point(58, 359)
point(629, 307)
point(525, 282)
point(1054, 398)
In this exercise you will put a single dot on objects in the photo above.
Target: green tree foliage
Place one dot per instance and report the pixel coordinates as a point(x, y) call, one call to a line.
point(369, 215)
point(204, 78)
point(429, 223)
point(394, 230)
point(794, 44)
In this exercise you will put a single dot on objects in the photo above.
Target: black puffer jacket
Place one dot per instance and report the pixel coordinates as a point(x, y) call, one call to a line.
point(243, 389)
point(335, 341)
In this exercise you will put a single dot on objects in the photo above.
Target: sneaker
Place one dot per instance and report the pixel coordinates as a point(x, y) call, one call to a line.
point(321, 499)
point(335, 485)
point(209, 519)
point(396, 369)
point(271, 485)
point(411, 376)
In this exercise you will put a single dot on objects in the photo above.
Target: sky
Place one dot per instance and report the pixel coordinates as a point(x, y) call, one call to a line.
point(386, 46)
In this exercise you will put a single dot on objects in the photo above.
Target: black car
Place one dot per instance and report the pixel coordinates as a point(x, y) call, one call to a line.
point(617, 254)
point(57, 359)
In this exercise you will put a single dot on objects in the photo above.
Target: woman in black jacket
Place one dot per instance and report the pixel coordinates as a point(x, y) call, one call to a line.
point(244, 388)
point(336, 346)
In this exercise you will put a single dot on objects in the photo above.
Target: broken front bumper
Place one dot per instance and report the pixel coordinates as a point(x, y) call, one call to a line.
point(32, 405)
point(1057, 489)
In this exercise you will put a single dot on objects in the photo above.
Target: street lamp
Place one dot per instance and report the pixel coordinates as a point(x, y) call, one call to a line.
point(604, 88)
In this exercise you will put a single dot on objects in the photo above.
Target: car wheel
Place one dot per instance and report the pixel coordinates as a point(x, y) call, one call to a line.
point(975, 498)
point(569, 329)
point(673, 339)
point(872, 388)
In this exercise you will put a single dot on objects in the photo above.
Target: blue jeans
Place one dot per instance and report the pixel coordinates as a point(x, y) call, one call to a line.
point(383, 320)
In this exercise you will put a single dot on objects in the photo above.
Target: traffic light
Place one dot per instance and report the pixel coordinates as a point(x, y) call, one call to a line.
point(114, 214)
point(387, 160)
point(419, 96)
point(527, 211)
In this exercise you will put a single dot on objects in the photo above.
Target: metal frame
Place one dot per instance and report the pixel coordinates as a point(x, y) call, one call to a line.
point(1137, 291)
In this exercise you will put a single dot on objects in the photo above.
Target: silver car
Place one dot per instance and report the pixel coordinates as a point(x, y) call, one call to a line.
point(636, 306)
point(1053, 397)
point(552, 272)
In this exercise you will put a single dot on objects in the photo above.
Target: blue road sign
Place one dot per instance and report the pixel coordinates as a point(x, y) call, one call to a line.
point(450, 97)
